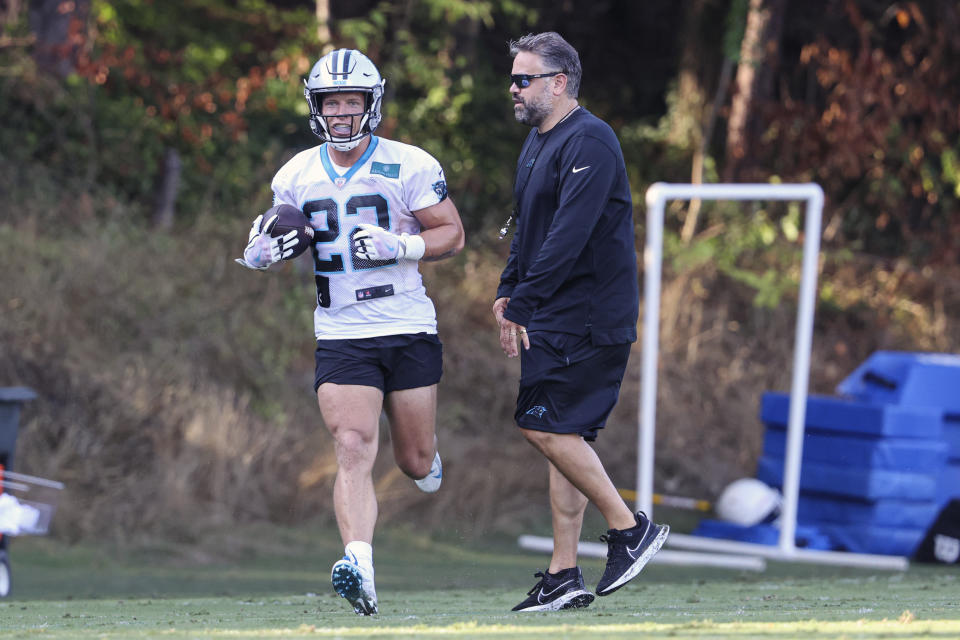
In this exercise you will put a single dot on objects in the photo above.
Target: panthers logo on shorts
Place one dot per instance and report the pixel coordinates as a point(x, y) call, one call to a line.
point(537, 411)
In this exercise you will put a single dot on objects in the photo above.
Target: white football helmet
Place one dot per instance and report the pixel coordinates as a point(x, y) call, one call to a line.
point(748, 502)
point(344, 70)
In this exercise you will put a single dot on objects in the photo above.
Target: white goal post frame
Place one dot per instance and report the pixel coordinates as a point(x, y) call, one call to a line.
point(656, 197)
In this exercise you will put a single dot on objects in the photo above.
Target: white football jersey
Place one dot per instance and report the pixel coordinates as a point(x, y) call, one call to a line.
point(359, 298)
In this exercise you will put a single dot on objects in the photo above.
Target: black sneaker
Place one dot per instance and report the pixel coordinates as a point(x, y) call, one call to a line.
point(563, 590)
point(628, 551)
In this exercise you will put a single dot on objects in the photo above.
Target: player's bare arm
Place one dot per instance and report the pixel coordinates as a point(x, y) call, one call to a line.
point(442, 230)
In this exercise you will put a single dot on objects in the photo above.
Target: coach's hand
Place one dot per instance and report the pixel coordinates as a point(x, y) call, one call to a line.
point(509, 331)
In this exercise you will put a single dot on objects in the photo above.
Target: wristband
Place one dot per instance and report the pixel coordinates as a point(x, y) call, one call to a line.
point(414, 245)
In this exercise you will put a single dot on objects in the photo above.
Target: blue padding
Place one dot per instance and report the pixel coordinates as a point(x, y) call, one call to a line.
point(901, 454)
point(894, 541)
point(841, 414)
point(903, 378)
point(806, 537)
point(951, 435)
point(814, 508)
point(949, 486)
point(870, 484)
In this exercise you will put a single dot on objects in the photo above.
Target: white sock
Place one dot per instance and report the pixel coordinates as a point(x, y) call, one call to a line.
point(362, 551)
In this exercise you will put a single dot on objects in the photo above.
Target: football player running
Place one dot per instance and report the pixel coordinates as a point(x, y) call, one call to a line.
point(378, 207)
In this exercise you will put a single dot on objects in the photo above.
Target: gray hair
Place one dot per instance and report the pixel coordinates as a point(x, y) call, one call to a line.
point(557, 54)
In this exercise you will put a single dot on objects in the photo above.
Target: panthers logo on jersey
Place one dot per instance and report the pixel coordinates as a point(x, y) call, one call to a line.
point(440, 188)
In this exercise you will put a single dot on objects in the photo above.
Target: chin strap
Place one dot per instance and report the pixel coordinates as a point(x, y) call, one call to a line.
point(345, 146)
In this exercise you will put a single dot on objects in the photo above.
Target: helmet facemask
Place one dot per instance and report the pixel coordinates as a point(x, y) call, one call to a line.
point(344, 70)
point(321, 124)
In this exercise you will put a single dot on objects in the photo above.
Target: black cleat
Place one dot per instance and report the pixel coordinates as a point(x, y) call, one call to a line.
point(628, 551)
point(563, 590)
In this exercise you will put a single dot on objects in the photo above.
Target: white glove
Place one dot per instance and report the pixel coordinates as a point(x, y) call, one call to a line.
point(282, 247)
point(263, 250)
point(254, 253)
point(376, 243)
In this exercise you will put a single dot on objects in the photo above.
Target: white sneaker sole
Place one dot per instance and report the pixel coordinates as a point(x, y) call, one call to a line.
point(573, 600)
point(640, 562)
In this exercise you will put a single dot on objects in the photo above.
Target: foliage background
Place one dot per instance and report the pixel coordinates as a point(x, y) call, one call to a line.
point(175, 387)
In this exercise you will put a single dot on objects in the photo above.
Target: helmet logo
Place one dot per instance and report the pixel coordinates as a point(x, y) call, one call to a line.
point(343, 61)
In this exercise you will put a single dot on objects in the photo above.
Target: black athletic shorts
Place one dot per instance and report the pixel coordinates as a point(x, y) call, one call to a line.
point(389, 363)
point(567, 384)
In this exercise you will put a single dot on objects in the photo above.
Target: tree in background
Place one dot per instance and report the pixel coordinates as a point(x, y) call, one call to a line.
point(867, 108)
point(759, 54)
point(60, 29)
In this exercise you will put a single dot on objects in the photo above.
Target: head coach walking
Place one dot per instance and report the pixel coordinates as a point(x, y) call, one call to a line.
point(569, 296)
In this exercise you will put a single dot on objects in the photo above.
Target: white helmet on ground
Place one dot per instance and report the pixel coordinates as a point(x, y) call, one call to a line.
point(339, 71)
point(748, 502)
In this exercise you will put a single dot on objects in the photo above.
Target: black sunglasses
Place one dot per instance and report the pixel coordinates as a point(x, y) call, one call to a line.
point(522, 80)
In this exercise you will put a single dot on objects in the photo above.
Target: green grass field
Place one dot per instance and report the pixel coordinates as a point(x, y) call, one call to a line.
point(274, 584)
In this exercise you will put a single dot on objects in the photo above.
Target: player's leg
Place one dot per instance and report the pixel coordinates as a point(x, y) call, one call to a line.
point(413, 416)
point(352, 413)
point(349, 384)
point(414, 365)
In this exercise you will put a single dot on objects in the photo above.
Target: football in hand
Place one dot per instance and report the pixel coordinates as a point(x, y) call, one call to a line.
point(289, 218)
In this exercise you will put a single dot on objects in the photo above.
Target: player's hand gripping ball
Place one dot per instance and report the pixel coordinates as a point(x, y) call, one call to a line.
point(290, 228)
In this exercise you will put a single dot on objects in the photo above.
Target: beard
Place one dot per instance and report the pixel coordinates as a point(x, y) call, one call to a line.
point(533, 110)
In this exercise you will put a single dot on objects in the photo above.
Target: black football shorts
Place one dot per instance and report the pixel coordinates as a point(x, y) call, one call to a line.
point(389, 363)
point(567, 384)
